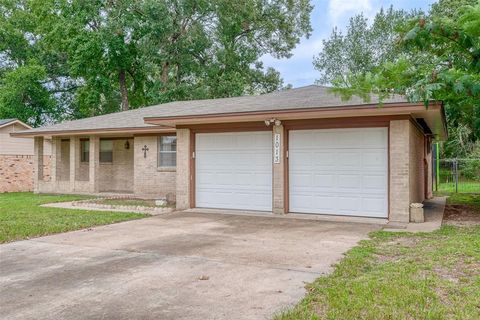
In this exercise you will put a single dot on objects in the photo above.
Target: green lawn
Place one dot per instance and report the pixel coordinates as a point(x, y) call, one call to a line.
point(402, 276)
point(472, 199)
point(21, 216)
point(463, 186)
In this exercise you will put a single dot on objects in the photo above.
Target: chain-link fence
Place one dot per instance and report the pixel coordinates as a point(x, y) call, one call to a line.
point(457, 175)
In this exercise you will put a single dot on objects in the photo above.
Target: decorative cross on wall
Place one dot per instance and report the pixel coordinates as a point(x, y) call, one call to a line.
point(145, 149)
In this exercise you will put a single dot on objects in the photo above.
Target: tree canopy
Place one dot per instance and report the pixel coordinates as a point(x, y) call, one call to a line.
point(76, 58)
point(432, 57)
point(362, 48)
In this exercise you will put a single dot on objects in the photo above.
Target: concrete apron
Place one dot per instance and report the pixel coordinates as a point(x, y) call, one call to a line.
point(301, 216)
point(252, 267)
point(433, 211)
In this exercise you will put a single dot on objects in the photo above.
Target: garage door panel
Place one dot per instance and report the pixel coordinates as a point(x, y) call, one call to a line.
point(325, 180)
point(323, 159)
point(346, 159)
point(303, 160)
point(234, 170)
point(322, 139)
point(303, 201)
point(374, 183)
point(348, 204)
point(373, 158)
point(324, 203)
point(351, 182)
point(301, 180)
point(375, 205)
point(345, 139)
point(373, 138)
point(347, 175)
point(233, 199)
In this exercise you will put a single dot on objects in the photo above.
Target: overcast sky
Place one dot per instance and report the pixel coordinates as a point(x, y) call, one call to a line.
point(298, 70)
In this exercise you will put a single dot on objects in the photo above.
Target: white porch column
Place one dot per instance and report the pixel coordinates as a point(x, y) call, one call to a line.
point(37, 163)
point(94, 164)
point(279, 170)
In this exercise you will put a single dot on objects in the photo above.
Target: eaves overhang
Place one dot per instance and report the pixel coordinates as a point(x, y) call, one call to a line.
point(433, 114)
point(98, 131)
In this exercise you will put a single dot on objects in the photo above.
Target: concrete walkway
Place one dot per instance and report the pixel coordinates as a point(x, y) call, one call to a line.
point(76, 205)
point(433, 210)
point(172, 266)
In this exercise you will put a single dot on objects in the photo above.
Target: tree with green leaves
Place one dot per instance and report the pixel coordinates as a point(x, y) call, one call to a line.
point(439, 59)
point(104, 56)
point(24, 73)
point(362, 48)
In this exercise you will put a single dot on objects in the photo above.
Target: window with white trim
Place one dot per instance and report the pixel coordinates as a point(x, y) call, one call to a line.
point(167, 152)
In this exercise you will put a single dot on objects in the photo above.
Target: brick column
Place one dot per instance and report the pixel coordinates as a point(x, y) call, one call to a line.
point(37, 163)
point(279, 173)
point(399, 171)
point(53, 162)
point(184, 177)
point(74, 161)
point(429, 168)
point(94, 164)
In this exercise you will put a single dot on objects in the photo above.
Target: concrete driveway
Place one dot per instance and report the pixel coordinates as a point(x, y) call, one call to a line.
point(153, 268)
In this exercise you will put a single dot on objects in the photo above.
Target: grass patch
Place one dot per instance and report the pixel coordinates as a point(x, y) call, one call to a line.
point(463, 186)
point(471, 199)
point(402, 276)
point(21, 216)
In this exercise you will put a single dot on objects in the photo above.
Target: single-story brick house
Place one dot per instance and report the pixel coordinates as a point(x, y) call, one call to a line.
point(302, 150)
point(16, 158)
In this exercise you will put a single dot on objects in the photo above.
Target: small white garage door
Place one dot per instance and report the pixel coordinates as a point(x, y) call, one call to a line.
point(234, 170)
point(339, 171)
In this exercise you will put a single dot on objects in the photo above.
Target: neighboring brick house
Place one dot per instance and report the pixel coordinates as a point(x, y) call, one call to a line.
point(301, 150)
point(16, 158)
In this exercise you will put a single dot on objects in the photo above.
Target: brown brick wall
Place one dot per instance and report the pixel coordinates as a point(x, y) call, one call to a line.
point(118, 175)
point(417, 167)
point(151, 181)
point(47, 168)
point(399, 171)
point(429, 170)
point(407, 170)
point(63, 160)
point(279, 174)
point(16, 172)
point(183, 177)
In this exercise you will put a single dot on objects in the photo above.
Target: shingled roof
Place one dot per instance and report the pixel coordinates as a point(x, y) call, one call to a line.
point(5, 121)
point(300, 98)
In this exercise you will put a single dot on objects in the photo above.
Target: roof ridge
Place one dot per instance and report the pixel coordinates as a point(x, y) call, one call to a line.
point(310, 96)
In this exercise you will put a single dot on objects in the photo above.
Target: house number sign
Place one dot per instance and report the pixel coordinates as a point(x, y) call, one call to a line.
point(276, 148)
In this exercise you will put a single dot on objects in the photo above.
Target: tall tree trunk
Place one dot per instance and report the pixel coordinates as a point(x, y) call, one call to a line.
point(123, 89)
point(165, 69)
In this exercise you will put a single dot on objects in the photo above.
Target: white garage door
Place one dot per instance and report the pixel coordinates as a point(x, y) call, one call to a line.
point(339, 171)
point(234, 170)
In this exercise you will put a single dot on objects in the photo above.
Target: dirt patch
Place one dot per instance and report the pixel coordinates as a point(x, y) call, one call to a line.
point(461, 215)
point(404, 242)
point(386, 258)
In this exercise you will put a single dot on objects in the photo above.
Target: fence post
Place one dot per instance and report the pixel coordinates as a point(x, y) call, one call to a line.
point(437, 166)
point(455, 168)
